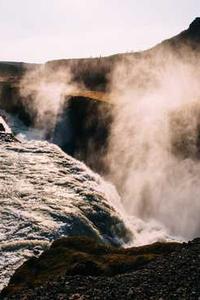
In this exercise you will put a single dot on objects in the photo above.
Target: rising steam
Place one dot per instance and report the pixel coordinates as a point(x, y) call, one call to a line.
point(154, 146)
point(154, 149)
point(44, 94)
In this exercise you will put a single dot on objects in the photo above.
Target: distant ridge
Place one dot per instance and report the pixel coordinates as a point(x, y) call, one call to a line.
point(191, 34)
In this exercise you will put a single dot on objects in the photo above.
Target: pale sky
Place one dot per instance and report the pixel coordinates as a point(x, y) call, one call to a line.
point(41, 30)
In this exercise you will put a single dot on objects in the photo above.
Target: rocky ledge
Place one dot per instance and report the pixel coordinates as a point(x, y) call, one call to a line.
point(7, 137)
point(80, 268)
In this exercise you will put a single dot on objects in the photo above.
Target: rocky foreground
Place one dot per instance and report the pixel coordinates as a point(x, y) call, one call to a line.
point(78, 268)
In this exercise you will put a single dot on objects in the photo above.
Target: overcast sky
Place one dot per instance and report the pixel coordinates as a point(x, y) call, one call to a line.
point(40, 30)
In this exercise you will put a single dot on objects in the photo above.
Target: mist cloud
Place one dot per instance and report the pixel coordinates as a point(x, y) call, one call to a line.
point(44, 93)
point(154, 144)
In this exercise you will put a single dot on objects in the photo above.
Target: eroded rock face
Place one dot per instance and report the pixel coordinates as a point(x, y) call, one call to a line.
point(45, 194)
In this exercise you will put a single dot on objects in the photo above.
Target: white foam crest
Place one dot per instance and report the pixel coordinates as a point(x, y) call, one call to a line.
point(45, 194)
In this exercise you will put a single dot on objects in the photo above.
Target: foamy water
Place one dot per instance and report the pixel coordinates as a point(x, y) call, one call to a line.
point(45, 194)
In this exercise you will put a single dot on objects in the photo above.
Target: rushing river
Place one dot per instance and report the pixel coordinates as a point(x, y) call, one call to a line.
point(45, 194)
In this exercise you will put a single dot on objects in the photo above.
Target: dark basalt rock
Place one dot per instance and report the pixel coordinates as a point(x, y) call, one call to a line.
point(85, 257)
point(8, 137)
point(194, 28)
point(158, 271)
point(191, 36)
point(188, 39)
point(12, 102)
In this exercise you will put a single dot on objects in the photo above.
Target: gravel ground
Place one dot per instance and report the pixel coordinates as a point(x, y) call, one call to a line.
point(173, 276)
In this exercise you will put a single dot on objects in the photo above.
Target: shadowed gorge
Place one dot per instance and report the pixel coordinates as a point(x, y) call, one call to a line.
point(119, 114)
point(83, 128)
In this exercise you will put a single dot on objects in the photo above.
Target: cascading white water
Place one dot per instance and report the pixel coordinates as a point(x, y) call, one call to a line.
point(46, 194)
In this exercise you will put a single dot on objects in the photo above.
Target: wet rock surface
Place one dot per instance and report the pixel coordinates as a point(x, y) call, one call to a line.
point(173, 275)
point(7, 137)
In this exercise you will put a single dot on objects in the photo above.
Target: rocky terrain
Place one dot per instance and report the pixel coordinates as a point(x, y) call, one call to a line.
point(78, 269)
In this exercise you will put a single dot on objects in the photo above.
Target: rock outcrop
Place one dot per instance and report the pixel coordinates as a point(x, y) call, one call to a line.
point(79, 268)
